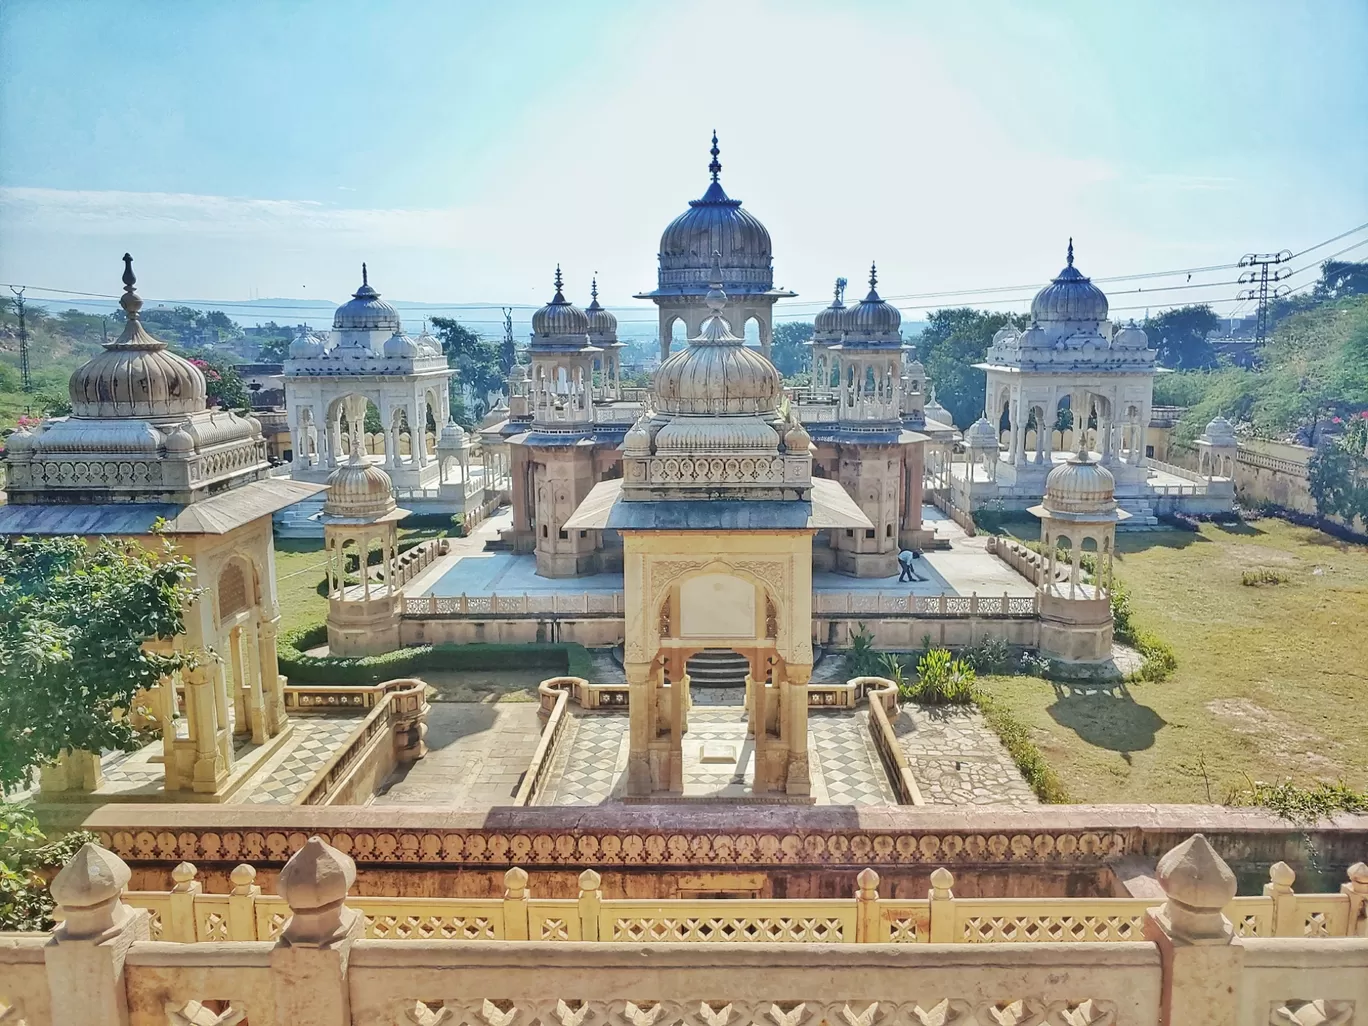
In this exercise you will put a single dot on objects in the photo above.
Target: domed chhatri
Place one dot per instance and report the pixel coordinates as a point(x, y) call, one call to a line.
point(717, 374)
point(828, 324)
point(560, 316)
point(873, 318)
point(1070, 297)
point(601, 322)
point(136, 376)
point(399, 346)
point(359, 490)
point(716, 223)
point(980, 435)
point(1080, 489)
point(306, 345)
point(366, 311)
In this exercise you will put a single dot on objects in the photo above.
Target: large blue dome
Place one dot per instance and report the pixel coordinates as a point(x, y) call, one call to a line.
point(1070, 297)
point(366, 311)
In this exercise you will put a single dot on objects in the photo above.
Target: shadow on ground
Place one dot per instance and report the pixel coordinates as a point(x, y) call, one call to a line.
point(1106, 716)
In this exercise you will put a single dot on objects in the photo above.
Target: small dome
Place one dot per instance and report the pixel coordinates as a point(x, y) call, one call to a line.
point(560, 316)
point(1070, 297)
point(136, 376)
point(827, 325)
point(428, 343)
point(981, 434)
point(1130, 337)
point(708, 434)
point(366, 311)
point(915, 371)
point(1006, 335)
point(637, 441)
point(305, 345)
point(796, 438)
point(1220, 432)
point(938, 413)
point(400, 346)
point(20, 440)
point(179, 441)
point(453, 436)
point(359, 490)
point(717, 374)
point(872, 317)
point(716, 224)
point(1080, 486)
point(601, 322)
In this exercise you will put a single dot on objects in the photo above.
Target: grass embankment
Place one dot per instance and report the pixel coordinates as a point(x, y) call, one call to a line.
point(1270, 681)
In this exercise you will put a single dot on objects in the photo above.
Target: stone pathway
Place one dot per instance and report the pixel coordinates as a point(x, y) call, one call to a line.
point(957, 760)
point(477, 755)
point(314, 741)
point(590, 764)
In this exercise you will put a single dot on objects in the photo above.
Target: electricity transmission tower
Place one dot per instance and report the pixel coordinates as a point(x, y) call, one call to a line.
point(508, 354)
point(23, 340)
point(1263, 275)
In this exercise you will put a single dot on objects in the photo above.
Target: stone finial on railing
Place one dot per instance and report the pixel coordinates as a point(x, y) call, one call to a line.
point(867, 907)
point(181, 920)
point(88, 893)
point(1357, 891)
point(242, 903)
point(516, 926)
point(314, 883)
point(1198, 885)
point(942, 928)
point(1279, 888)
point(590, 902)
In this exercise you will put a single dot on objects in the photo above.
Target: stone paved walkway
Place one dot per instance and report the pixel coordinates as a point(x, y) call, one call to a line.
point(590, 764)
point(313, 743)
point(957, 760)
point(477, 755)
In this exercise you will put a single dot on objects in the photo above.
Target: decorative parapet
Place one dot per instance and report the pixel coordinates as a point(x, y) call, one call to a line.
point(588, 603)
point(876, 602)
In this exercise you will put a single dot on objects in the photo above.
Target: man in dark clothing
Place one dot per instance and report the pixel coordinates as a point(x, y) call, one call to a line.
point(905, 558)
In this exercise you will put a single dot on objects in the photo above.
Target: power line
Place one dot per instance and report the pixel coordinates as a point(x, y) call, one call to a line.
point(23, 340)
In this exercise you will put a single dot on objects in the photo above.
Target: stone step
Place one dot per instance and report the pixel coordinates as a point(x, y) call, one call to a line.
point(718, 668)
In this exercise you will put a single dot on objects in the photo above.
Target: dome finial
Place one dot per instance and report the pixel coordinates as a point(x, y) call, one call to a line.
point(130, 301)
point(873, 276)
point(364, 279)
point(593, 287)
point(840, 292)
point(715, 167)
point(559, 284)
point(1070, 250)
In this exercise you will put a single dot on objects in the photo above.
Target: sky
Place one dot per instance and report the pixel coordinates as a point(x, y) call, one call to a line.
point(463, 149)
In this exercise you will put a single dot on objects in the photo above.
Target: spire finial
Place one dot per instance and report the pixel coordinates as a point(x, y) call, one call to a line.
point(593, 287)
point(130, 301)
point(839, 292)
point(715, 167)
point(559, 283)
point(1070, 250)
point(873, 275)
point(364, 280)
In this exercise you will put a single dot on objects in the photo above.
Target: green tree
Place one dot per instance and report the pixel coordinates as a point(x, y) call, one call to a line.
point(1180, 336)
point(25, 903)
point(223, 383)
point(73, 619)
point(1340, 278)
point(953, 341)
point(789, 349)
point(478, 365)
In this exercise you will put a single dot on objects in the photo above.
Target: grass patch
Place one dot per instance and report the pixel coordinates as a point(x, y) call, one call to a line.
point(1268, 683)
point(1016, 738)
point(1301, 804)
point(560, 658)
point(1260, 576)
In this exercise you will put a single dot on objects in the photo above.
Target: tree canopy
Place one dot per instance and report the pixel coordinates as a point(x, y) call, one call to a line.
point(788, 347)
point(953, 341)
point(478, 363)
point(73, 619)
point(1180, 336)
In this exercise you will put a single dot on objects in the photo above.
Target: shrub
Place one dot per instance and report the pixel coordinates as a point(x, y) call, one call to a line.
point(988, 655)
point(1302, 804)
point(1017, 740)
point(569, 658)
point(1160, 660)
point(25, 903)
point(1262, 575)
point(892, 668)
point(943, 680)
point(862, 660)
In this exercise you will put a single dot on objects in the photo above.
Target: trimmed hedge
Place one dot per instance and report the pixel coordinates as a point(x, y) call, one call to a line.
point(567, 658)
point(1016, 738)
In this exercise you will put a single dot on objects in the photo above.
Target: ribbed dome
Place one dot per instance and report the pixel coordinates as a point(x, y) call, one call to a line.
point(305, 345)
point(359, 490)
point(981, 435)
point(935, 411)
point(827, 324)
point(1220, 432)
point(136, 376)
point(1080, 486)
point(872, 317)
point(400, 346)
point(560, 316)
point(601, 322)
point(716, 224)
point(366, 311)
point(717, 373)
point(1070, 297)
point(706, 434)
point(453, 436)
point(429, 343)
point(1130, 337)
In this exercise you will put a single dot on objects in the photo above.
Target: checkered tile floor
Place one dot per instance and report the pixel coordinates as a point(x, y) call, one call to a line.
point(590, 763)
point(314, 741)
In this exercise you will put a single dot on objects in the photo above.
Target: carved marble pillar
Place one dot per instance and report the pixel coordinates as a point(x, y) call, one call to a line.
point(640, 700)
point(272, 683)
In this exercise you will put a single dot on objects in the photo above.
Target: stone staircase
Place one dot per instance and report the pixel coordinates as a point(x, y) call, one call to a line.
point(300, 520)
point(1142, 516)
point(717, 668)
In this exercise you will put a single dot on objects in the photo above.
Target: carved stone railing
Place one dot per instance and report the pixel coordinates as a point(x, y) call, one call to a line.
point(1176, 471)
point(412, 562)
point(554, 696)
point(943, 501)
point(587, 603)
point(186, 915)
point(856, 603)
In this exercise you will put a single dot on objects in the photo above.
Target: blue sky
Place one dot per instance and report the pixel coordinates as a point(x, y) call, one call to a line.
point(462, 149)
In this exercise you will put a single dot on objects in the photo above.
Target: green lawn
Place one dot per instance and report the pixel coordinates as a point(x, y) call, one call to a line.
point(1272, 681)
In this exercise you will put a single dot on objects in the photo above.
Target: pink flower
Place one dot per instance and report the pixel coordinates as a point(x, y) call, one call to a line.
point(1336, 420)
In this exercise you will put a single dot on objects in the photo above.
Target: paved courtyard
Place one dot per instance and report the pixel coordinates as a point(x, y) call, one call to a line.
point(957, 760)
point(963, 569)
point(590, 764)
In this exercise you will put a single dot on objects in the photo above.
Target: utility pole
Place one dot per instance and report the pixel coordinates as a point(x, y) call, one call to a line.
point(1263, 280)
point(508, 355)
point(23, 340)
